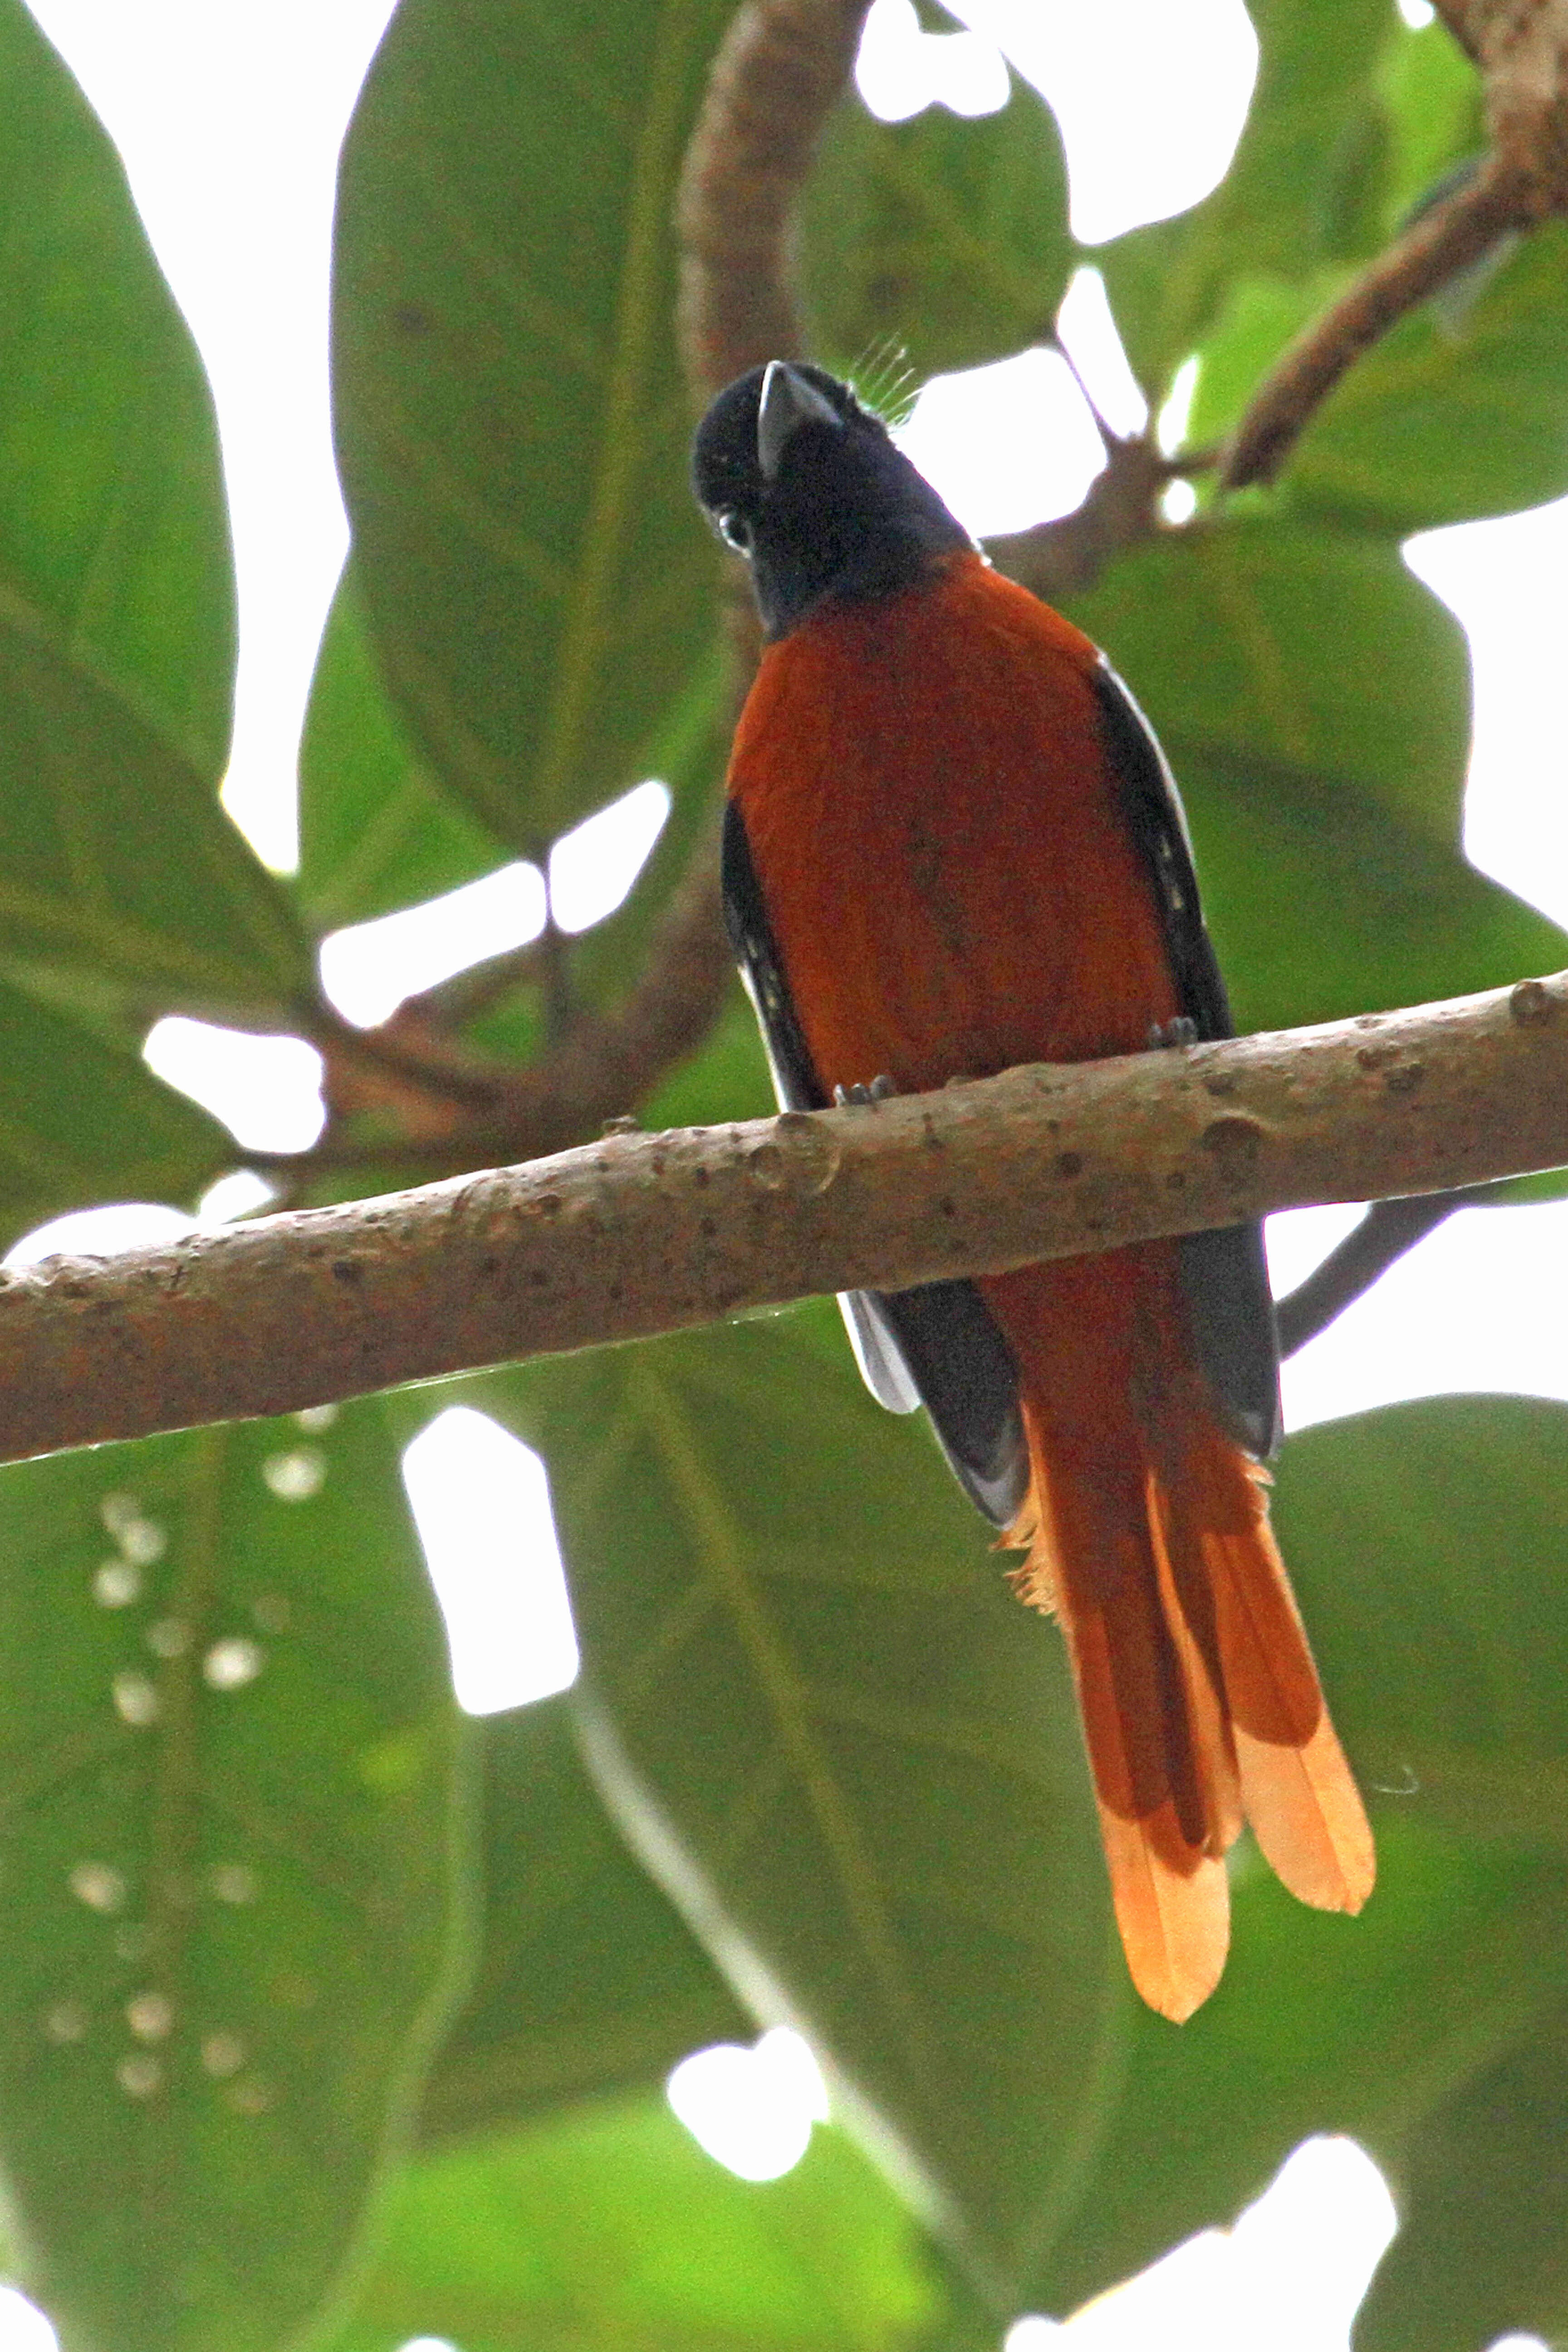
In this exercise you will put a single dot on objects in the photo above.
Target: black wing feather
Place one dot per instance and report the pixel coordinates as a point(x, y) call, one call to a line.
point(1225, 1272)
point(936, 1345)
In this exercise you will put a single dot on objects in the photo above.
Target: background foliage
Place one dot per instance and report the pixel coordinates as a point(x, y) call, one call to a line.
point(288, 1950)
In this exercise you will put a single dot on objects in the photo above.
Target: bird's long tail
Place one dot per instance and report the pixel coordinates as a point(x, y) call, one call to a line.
point(1147, 1535)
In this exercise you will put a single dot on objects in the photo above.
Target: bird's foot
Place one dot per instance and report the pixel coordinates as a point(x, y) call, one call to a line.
point(1181, 1030)
point(880, 1087)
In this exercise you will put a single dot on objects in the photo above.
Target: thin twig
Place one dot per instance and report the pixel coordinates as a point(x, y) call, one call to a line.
point(1063, 557)
point(1520, 47)
point(450, 1003)
point(602, 1068)
point(1384, 1234)
point(555, 973)
point(644, 1234)
point(1433, 249)
point(441, 1071)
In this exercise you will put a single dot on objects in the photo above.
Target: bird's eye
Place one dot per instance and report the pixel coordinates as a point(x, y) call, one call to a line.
point(735, 530)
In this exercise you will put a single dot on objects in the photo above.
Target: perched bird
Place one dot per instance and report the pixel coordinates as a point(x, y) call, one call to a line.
point(952, 843)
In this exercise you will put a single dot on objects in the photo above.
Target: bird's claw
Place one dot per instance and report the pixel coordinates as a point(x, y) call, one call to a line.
point(863, 1098)
point(1181, 1030)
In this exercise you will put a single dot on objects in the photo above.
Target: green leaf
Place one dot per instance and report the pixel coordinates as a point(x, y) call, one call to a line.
point(379, 831)
point(113, 532)
point(1432, 103)
point(1458, 412)
point(728, 1079)
point(1313, 698)
point(843, 1749)
point(1450, 1670)
point(512, 423)
point(1263, 639)
point(1323, 905)
point(950, 237)
point(1320, 2024)
point(234, 1843)
point(1429, 1549)
point(1481, 2249)
point(609, 2230)
point(1288, 198)
point(116, 595)
point(1448, 1658)
point(83, 1121)
point(588, 1981)
point(376, 832)
point(118, 870)
point(799, 1728)
point(1255, 321)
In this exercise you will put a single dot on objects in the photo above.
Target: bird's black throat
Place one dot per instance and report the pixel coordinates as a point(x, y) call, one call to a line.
point(820, 499)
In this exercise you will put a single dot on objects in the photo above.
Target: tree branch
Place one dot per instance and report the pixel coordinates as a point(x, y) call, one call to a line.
point(1387, 1231)
point(782, 68)
point(1060, 558)
point(777, 75)
point(640, 1235)
point(1520, 47)
point(605, 1063)
point(600, 1068)
point(1432, 250)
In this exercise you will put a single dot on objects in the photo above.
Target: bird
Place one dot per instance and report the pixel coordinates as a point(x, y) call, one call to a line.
point(953, 845)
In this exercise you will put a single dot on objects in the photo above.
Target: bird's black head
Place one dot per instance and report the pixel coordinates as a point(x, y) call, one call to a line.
point(801, 479)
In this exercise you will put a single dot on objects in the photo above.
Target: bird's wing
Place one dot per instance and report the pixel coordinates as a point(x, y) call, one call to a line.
point(937, 1345)
point(1225, 1273)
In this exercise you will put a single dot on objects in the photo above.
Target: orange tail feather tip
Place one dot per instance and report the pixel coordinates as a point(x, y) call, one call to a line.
point(1175, 1925)
point(1200, 1701)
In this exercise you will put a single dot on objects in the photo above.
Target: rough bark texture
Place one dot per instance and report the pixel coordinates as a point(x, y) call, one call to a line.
point(640, 1235)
